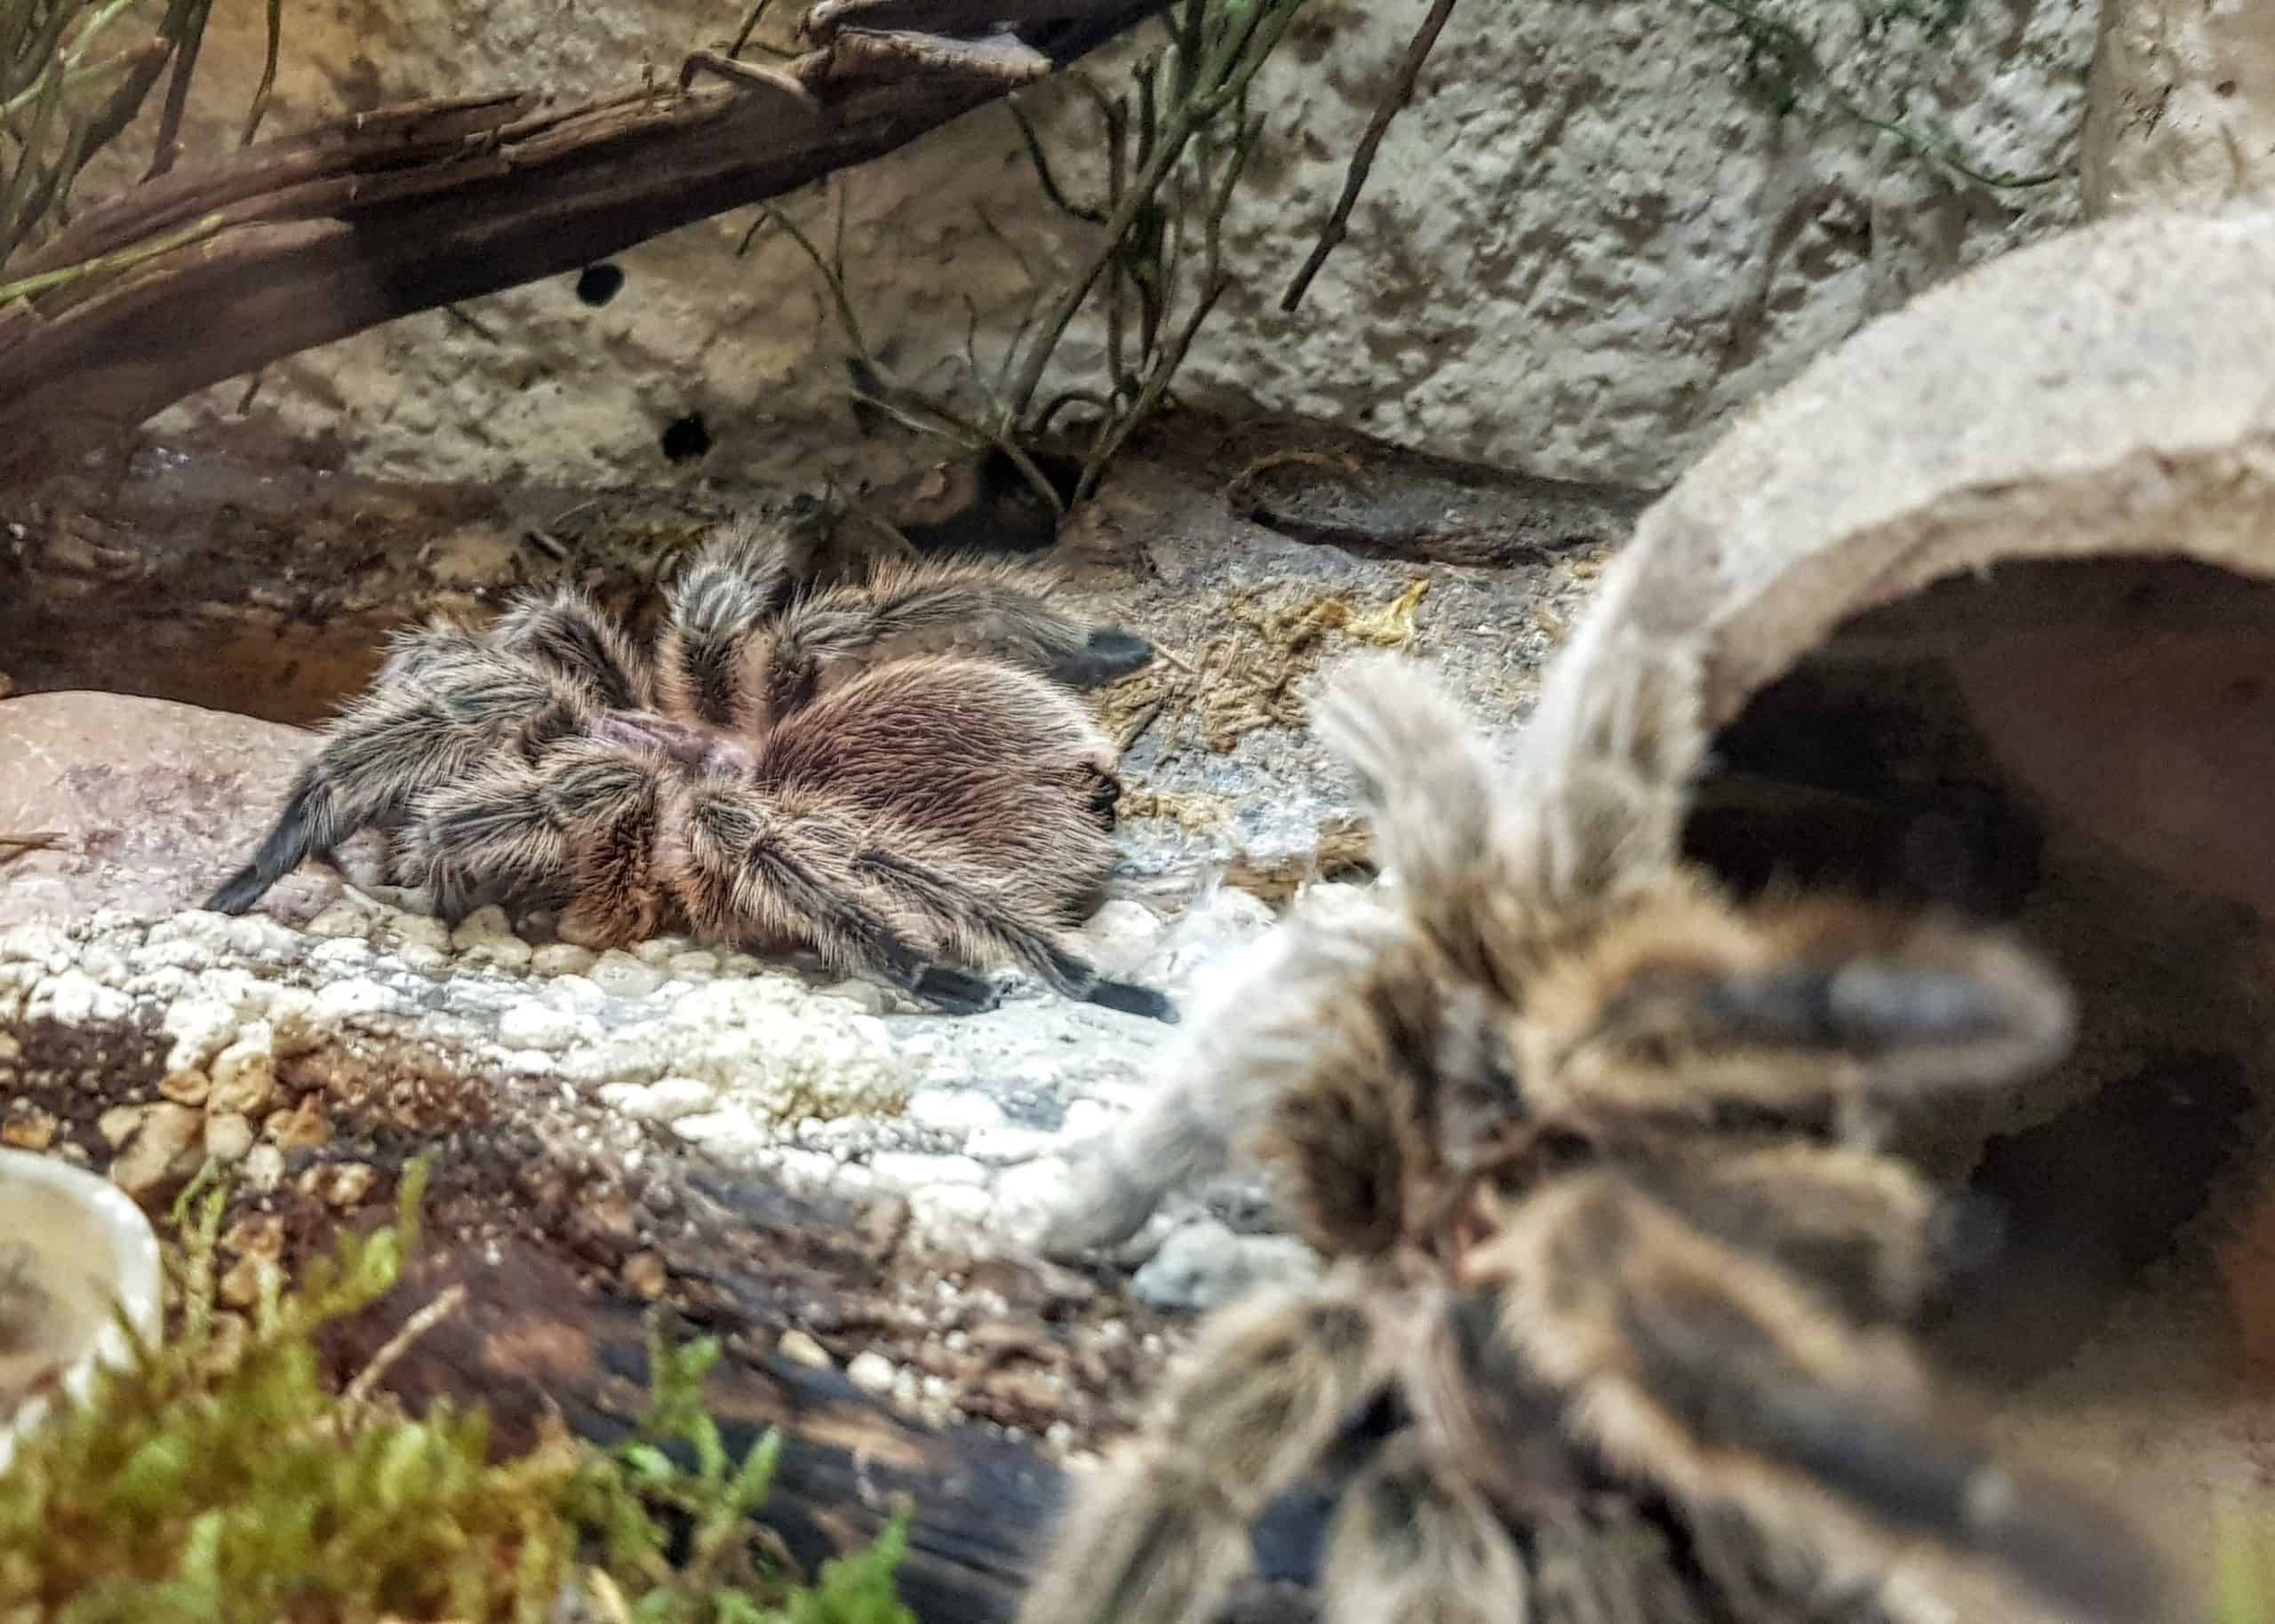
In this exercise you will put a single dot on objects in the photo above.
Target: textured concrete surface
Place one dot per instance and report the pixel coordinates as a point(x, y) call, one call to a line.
point(1591, 237)
point(2181, 108)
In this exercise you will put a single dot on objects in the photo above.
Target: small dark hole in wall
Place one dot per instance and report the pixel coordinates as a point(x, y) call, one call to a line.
point(686, 438)
point(596, 285)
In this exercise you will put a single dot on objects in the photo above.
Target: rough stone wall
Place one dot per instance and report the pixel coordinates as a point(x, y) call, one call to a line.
point(1590, 238)
point(2181, 112)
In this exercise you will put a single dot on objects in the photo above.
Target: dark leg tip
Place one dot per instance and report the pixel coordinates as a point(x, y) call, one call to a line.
point(1131, 998)
point(956, 992)
point(1109, 655)
point(237, 892)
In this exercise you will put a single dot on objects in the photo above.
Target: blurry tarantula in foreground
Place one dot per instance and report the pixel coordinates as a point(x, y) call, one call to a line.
point(1593, 1153)
point(892, 773)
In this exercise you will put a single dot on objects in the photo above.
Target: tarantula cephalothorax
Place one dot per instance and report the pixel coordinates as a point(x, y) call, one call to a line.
point(1585, 1145)
point(891, 774)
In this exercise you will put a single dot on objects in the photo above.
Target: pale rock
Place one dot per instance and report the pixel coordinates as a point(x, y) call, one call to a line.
point(264, 1166)
point(1001, 1144)
point(1089, 1119)
point(186, 1088)
point(341, 952)
point(613, 1060)
point(535, 1026)
point(401, 930)
point(871, 1372)
point(1121, 936)
point(658, 952)
point(667, 1100)
point(1204, 1265)
point(200, 928)
point(864, 995)
point(343, 919)
point(75, 998)
point(800, 1348)
point(503, 952)
point(562, 958)
point(342, 999)
point(487, 923)
point(293, 1019)
point(154, 956)
point(228, 1135)
point(724, 1133)
point(619, 975)
point(254, 936)
point(105, 961)
point(200, 1027)
point(117, 1124)
point(696, 966)
point(244, 1073)
point(168, 1134)
point(955, 1214)
point(954, 1111)
point(428, 960)
point(911, 1171)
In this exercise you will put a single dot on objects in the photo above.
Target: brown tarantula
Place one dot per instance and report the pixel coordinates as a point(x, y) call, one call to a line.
point(1589, 1149)
point(892, 773)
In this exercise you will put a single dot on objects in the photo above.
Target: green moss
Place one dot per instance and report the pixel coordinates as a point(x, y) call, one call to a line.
point(224, 1479)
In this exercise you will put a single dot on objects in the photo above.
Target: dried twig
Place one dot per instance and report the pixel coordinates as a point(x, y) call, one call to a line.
point(259, 108)
point(1362, 160)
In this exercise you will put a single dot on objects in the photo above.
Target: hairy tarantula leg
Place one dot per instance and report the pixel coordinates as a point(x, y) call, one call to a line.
point(1862, 1228)
point(1288, 1014)
point(1683, 1004)
point(1714, 1374)
point(737, 581)
point(564, 632)
point(311, 823)
point(966, 911)
point(491, 833)
point(1260, 1398)
point(1106, 656)
point(1408, 1546)
point(392, 742)
point(1433, 795)
point(943, 606)
point(752, 870)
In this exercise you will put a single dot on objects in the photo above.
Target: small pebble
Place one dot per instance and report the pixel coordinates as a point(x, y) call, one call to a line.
point(34, 1130)
point(500, 953)
point(619, 975)
point(535, 1026)
point(871, 1372)
point(402, 930)
point(484, 924)
point(562, 958)
point(228, 1135)
point(954, 1111)
point(801, 1347)
point(342, 920)
point(868, 994)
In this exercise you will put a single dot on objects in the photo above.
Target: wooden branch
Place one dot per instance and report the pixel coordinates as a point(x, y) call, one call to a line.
point(387, 213)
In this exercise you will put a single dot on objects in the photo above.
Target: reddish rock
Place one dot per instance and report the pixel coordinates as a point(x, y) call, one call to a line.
point(155, 802)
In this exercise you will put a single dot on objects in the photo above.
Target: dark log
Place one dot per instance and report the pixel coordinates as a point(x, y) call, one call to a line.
point(532, 1341)
point(303, 240)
